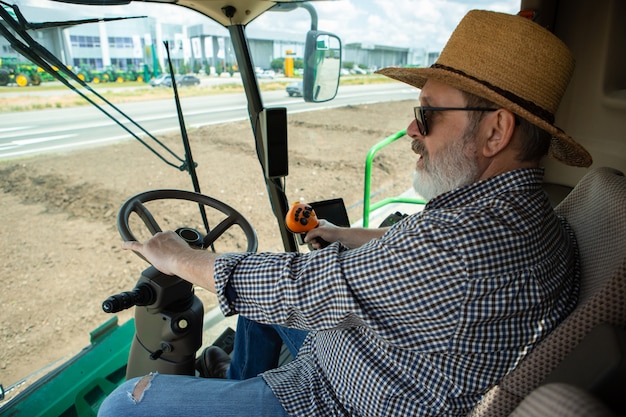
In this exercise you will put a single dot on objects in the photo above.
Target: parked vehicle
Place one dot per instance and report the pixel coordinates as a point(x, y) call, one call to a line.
point(593, 200)
point(19, 72)
point(108, 75)
point(184, 80)
point(164, 80)
point(269, 74)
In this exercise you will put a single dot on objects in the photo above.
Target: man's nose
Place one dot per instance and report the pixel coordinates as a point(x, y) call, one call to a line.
point(412, 131)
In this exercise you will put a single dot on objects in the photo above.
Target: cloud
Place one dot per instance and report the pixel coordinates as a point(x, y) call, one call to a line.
point(418, 24)
point(425, 24)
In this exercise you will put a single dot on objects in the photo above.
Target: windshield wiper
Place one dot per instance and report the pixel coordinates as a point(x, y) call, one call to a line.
point(38, 54)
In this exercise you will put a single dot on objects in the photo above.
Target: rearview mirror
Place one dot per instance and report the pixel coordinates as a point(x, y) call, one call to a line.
point(322, 63)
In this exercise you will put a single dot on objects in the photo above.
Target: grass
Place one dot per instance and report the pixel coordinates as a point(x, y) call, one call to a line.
point(31, 98)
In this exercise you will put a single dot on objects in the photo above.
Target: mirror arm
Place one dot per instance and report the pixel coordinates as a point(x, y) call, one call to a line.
point(309, 7)
point(287, 7)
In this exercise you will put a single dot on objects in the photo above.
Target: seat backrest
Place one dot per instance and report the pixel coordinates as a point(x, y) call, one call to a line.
point(596, 211)
point(561, 400)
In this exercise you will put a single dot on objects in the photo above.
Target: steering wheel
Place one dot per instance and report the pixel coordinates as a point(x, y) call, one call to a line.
point(135, 204)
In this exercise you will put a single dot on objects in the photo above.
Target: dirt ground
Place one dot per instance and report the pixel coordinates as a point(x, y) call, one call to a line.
point(60, 244)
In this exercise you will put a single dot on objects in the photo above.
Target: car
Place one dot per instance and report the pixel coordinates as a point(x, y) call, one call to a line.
point(183, 80)
point(295, 89)
point(164, 80)
point(267, 74)
point(357, 70)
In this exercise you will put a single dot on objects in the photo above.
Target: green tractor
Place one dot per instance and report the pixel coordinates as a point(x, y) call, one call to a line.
point(134, 74)
point(84, 73)
point(108, 75)
point(21, 73)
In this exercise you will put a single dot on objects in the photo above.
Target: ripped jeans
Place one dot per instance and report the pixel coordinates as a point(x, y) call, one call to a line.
point(161, 395)
point(257, 347)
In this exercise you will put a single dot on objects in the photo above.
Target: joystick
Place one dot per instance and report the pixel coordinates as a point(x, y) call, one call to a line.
point(301, 218)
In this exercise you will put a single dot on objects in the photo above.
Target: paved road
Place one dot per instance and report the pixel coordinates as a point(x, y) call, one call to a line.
point(37, 132)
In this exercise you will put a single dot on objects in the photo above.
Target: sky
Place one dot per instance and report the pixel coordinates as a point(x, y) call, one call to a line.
point(425, 24)
point(419, 24)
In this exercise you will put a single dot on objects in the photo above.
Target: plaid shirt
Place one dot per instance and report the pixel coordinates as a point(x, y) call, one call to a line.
point(423, 320)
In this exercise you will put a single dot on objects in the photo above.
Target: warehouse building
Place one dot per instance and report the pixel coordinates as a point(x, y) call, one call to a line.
point(138, 41)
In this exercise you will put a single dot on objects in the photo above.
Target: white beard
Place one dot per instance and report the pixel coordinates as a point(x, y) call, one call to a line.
point(454, 167)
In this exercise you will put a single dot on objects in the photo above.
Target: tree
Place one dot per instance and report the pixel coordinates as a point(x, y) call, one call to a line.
point(277, 64)
point(183, 68)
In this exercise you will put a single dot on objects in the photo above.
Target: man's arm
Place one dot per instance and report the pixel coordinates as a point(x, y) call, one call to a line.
point(170, 254)
point(352, 237)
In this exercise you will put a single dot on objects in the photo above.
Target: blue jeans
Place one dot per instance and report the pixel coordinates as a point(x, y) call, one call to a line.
point(179, 395)
point(257, 347)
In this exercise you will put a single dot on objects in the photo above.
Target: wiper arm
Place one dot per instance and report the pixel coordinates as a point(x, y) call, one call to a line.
point(189, 162)
point(35, 52)
point(46, 25)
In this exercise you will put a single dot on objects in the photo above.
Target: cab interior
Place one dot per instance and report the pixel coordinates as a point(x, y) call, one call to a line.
point(580, 369)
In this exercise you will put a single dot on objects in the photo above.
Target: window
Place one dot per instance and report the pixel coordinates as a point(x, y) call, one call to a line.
point(80, 41)
point(119, 42)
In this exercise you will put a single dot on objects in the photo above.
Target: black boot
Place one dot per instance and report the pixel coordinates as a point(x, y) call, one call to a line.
point(213, 363)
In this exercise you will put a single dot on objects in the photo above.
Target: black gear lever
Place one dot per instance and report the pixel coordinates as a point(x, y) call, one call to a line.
point(142, 295)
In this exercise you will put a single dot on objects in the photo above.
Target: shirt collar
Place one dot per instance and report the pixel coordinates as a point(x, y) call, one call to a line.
point(530, 178)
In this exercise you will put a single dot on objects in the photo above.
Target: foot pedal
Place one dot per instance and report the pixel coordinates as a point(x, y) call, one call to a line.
point(226, 341)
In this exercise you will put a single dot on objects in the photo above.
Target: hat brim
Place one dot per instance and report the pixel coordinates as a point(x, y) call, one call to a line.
point(562, 148)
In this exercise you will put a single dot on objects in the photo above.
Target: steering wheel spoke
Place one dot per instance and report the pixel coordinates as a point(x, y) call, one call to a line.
point(219, 230)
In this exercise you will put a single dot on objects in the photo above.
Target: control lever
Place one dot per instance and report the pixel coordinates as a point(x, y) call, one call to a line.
point(142, 295)
point(168, 320)
point(300, 219)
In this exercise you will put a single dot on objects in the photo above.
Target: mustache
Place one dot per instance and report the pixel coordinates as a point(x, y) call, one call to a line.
point(418, 147)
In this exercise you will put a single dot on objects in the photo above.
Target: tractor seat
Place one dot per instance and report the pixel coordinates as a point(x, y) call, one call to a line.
point(596, 210)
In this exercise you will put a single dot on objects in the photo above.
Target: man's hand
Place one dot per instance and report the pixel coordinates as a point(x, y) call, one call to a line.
point(162, 250)
point(324, 232)
point(170, 254)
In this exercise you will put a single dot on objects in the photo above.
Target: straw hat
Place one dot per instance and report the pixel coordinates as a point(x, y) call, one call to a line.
point(512, 62)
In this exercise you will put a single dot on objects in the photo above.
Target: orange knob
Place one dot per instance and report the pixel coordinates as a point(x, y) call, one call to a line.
point(301, 218)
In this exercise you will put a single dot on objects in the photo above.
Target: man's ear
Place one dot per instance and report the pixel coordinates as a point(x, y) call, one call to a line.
point(500, 126)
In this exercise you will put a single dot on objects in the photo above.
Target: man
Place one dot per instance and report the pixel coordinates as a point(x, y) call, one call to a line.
point(421, 318)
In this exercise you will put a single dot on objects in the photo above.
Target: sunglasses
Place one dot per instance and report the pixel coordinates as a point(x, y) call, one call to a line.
point(422, 114)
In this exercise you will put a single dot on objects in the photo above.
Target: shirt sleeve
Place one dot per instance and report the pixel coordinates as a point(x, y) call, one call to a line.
point(388, 284)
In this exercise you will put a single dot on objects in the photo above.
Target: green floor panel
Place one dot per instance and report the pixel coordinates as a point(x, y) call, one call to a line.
point(78, 387)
